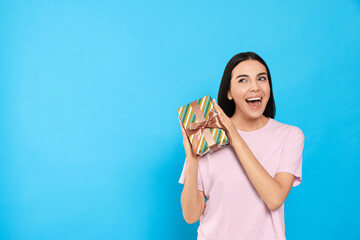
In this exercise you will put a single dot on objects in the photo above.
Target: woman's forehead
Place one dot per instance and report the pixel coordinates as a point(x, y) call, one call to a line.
point(249, 67)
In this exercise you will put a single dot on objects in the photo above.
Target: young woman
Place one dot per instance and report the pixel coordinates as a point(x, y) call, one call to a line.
point(247, 182)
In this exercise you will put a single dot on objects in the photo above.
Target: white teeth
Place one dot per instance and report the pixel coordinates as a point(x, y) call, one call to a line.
point(252, 99)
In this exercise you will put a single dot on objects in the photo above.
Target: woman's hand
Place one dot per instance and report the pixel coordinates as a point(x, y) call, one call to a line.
point(229, 126)
point(191, 158)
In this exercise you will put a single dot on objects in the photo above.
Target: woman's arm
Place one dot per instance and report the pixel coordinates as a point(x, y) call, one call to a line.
point(192, 202)
point(272, 190)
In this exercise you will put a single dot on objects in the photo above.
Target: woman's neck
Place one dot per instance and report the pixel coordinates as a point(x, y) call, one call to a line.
point(249, 124)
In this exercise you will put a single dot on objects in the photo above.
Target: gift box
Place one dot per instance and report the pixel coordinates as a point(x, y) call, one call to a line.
point(203, 126)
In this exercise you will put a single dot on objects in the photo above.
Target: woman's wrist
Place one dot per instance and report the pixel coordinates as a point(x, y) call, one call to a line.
point(233, 134)
point(192, 164)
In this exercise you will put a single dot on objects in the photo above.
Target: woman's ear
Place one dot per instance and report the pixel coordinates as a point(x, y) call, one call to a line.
point(229, 95)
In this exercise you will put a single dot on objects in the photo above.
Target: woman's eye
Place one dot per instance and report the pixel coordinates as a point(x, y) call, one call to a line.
point(263, 78)
point(241, 80)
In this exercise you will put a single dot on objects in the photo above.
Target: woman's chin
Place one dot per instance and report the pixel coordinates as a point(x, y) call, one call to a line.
point(254, 115)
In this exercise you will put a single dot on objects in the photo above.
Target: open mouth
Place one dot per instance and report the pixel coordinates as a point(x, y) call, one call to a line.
point(254, 103)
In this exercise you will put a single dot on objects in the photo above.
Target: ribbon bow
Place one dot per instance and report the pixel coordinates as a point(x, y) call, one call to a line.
point(202, 126)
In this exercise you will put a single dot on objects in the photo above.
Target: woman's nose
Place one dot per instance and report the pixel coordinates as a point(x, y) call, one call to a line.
point(254, 85)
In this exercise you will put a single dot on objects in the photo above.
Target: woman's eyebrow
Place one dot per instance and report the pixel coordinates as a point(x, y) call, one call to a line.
point(244, 75)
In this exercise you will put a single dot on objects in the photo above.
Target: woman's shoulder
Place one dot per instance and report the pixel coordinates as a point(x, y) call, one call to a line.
point(287, 129)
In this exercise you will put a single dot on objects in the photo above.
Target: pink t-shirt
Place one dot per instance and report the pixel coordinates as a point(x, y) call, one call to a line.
point(234, 209)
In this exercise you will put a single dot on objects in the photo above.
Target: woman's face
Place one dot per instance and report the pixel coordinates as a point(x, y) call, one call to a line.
point(249, 79)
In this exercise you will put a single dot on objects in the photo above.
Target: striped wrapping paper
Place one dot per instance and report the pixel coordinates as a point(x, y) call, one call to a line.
point(187, 116)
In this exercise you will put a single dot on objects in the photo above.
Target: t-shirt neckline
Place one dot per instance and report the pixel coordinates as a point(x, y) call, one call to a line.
point(257, 130)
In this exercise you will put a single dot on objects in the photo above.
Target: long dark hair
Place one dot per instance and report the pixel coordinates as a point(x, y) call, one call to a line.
point(229, 105)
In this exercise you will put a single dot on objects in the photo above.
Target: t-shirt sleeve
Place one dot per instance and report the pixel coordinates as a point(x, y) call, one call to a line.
point(183, 177)
point(291, 156)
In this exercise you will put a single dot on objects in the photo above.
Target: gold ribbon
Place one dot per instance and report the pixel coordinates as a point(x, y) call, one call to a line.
point(202, 127)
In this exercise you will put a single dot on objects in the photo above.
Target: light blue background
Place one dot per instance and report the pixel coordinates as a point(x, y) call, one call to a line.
point(91, 146)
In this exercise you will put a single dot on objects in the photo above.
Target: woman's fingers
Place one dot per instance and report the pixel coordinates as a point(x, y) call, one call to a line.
point(217, 108)
point(182, 129)
point(186, 141)
point(225, 121)
point(222, 115)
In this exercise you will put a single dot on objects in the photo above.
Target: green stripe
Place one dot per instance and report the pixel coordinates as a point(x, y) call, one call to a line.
point(205, 146)
point(206, 109)
point(226, 139)
point(205, 113)
point(192, 119)
point(217, 137)
point(184, 113)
